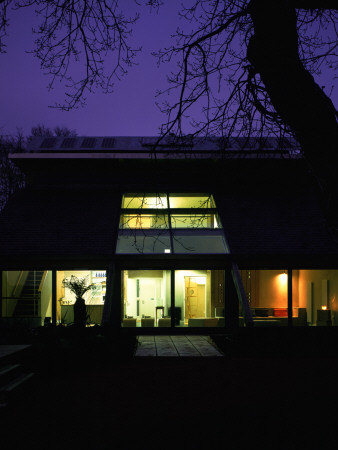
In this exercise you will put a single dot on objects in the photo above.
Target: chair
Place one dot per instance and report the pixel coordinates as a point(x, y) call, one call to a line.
point(147, 322)
point(164, 322)
point(131, 322)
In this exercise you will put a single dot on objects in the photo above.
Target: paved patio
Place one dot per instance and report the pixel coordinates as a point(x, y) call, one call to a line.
point(177, 346)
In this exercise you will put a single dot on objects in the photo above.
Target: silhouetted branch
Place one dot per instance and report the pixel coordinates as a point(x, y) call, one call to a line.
point(94, 32)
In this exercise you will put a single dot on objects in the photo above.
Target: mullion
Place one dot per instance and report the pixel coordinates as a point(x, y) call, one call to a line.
point(171, 211)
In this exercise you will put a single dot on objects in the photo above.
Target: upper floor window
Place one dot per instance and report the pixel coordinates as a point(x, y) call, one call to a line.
point(170, 223)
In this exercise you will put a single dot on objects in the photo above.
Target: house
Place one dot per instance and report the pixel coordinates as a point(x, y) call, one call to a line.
point(194, 235)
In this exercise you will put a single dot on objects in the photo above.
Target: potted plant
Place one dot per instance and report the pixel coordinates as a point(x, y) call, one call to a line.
point(79, 287)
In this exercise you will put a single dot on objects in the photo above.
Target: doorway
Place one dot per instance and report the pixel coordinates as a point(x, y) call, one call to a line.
point(195, 297)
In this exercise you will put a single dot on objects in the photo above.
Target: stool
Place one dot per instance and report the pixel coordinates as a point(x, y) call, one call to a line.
point(147, 322)
point(159, 308)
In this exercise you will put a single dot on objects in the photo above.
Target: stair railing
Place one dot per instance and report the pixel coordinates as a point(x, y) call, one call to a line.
point(17, 283)
point(42, 280)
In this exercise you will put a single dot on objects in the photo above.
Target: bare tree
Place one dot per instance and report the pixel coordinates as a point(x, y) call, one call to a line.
point(94, 31)
point(247, 65)
point(42, 130)
point(11, 177)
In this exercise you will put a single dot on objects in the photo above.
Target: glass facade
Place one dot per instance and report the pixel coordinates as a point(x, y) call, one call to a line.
point(188, 298)
point(170, 223)
point(314, 297)
point(267, 294)
point(198, 298)
point(315, 294)
point(94, 297)
point(146, 298)
point(26, 297)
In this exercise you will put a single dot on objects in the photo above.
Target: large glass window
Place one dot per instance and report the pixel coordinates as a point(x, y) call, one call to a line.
point(198, 297)
point(170, 223)
point(26, 297)
point(94, 297)
point(146, 298)
point(315, 295)
point(267, 294)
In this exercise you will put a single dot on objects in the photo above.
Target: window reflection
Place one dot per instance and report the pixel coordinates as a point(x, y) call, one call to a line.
point(177, 228)
point(194, 221)
point(143, 221)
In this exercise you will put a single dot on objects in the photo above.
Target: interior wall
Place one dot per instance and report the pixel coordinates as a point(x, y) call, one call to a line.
point(60, 293)
point(10, 278)
point(316, 277)
point(270, 289)
point(154, 286)
point(46, 296)
point(180, 287)
point(295, 289)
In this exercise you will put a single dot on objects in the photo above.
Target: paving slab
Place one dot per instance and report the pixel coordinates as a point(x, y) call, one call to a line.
point(146, 346)
point(165, 346)
point(184, 346)
point(176, 346)
point(204, 347)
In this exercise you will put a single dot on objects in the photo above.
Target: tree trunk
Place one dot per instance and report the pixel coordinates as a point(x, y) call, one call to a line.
point(300, 102)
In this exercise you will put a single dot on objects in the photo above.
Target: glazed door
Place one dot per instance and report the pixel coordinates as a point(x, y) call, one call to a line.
point(194, 297)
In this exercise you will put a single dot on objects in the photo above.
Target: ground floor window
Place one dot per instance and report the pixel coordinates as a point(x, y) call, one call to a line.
point(314, 297)
point(147, 299)
point(94, 297)
point(174, 298)
point(26, 297)
point(316, 293)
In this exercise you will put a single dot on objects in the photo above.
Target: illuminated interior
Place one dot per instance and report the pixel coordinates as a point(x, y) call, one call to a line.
point(146, 298)
point(170, 223)
point(199, 297)
point(94, 298)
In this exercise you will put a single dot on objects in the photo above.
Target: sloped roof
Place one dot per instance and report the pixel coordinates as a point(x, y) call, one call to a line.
point(269, 209)
point(276, 223)
point(59, 224)
point(169, 147)
point(81, 225)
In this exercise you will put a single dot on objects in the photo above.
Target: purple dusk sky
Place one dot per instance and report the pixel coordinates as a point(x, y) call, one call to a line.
point(129, 111)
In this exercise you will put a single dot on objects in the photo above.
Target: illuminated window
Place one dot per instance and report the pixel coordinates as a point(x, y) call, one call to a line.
point(170, 223)
point(144, 201)
point(144, 221)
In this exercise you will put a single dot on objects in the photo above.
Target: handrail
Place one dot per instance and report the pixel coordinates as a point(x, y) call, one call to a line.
point(42, 280)
point(17, 283)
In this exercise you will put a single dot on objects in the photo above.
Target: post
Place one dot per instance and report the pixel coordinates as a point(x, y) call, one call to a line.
point(1, 293)
point(54, 294)
point(231, 302)
point(172, 297)
point(111, 315)
point(289, 297)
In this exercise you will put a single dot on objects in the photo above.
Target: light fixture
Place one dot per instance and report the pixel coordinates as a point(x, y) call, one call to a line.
point(167, 250)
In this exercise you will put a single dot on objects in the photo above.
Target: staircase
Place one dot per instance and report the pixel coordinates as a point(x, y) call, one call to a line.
point(28, 303)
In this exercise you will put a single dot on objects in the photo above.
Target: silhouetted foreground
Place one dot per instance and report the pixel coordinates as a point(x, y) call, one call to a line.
point(86, 394)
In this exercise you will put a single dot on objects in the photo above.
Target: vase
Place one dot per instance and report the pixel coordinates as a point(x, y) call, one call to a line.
point(80, 313)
